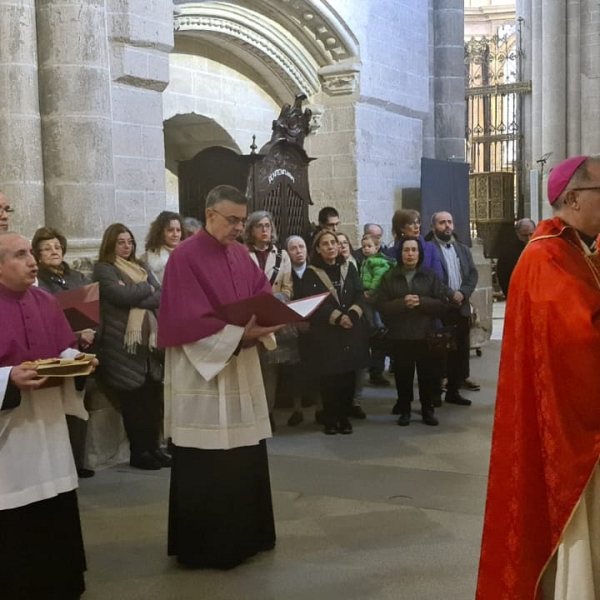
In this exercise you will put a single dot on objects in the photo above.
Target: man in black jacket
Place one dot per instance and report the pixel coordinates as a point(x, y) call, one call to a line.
point(509, 254)
point(460, 275)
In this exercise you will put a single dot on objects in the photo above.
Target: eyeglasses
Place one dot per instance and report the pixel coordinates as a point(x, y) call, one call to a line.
point(233, 221)
point(580, 189)
point(263, 226)
point(6, 210)
point(415, 222)
point(49, 248)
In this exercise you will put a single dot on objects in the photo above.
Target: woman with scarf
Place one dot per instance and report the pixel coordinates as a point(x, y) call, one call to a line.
point(338, 333)
point(165, 233)
point(49, 247)
point(260, 237)
point(131, 362)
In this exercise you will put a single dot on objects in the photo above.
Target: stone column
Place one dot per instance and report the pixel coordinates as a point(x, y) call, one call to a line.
point(21, 170)
point(589, 97)
point(574, 98)
point(554, 80)
point(449, 73)
point(536, 82)
point(75, 105)
point(524, 12)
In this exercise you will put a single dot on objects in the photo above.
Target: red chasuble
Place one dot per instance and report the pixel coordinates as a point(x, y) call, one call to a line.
point(546, 440)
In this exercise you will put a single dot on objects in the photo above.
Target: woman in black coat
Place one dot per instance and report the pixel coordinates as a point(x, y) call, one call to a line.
point(338, 334)
point(131, 364)
point(410, 299)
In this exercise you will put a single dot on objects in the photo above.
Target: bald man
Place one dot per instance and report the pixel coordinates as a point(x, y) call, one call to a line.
point(5, 210)
point(41, 547)
point(510, 253)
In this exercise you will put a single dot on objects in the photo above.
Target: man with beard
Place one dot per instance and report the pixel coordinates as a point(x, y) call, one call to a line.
point(460, 275)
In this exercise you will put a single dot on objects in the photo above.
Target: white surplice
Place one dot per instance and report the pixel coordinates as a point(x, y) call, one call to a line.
point(574, 571)
point(215, 400)
point(36, 460)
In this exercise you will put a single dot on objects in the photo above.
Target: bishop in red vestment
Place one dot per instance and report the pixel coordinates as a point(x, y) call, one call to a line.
point(546, 439)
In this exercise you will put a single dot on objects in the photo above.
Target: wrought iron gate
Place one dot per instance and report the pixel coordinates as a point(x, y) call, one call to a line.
point(494, 130)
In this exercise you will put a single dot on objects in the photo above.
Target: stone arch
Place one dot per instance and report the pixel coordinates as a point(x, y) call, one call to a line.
point(302, 46)
point(188, 134)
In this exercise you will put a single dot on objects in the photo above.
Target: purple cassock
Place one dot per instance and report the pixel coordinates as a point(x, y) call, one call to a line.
point(41, 545)
point(220, 507)
point(202, 274)
point(33, 327)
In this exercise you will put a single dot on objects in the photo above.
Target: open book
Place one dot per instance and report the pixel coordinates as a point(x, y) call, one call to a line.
point(269, 310)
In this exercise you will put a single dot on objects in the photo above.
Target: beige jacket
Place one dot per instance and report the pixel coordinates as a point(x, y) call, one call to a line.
point(283, 283)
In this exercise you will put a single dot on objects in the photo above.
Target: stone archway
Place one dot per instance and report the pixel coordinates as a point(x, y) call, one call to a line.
point(302, 47)
point(185, 136)
point(240, 62)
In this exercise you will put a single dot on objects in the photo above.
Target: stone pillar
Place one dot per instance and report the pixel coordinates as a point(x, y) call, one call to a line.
point(574, 99)
point(449, 73)
point(589, 90)
point(536, 78)
point(75, 103)
point(21, 170)
point(523, 12)
point(554, 80)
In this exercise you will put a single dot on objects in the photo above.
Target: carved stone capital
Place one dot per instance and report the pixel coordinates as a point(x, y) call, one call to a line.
point(316, 118)
point(340, 79)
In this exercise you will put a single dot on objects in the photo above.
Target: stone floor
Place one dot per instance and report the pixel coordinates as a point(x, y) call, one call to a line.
point(385, 513)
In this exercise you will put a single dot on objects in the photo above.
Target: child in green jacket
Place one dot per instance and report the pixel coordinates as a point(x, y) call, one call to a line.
point(373, 268)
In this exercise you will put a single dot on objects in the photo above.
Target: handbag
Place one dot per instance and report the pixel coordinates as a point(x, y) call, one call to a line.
point(379, 338)
point(441, 340)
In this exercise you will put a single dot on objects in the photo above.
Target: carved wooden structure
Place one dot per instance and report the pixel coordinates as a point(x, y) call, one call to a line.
point(275, 179)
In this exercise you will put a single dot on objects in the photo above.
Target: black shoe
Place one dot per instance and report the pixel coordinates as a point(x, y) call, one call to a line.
point(85, 473)
point(467, 384)
point(145, 461)
point(295, 418)
point(456, 398)
point(429, 419)
point(331, 429)
point(404, 419)
point(320, 417)
point(272, 422)
point(379, 380)
point(345, 427)
point(396, 409)
point(163, 459)
point(356, 412)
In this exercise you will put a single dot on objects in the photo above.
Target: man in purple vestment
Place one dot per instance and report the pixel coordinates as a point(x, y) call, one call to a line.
point(220, 509)
point(41, 547)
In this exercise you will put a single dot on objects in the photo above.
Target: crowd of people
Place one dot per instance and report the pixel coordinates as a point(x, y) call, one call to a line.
point(166, 358)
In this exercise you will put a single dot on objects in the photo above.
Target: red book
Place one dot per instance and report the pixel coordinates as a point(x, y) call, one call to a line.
point(81, 306)
point(269, 310)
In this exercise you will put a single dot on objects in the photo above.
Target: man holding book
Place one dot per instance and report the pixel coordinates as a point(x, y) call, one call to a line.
point(216, 411)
